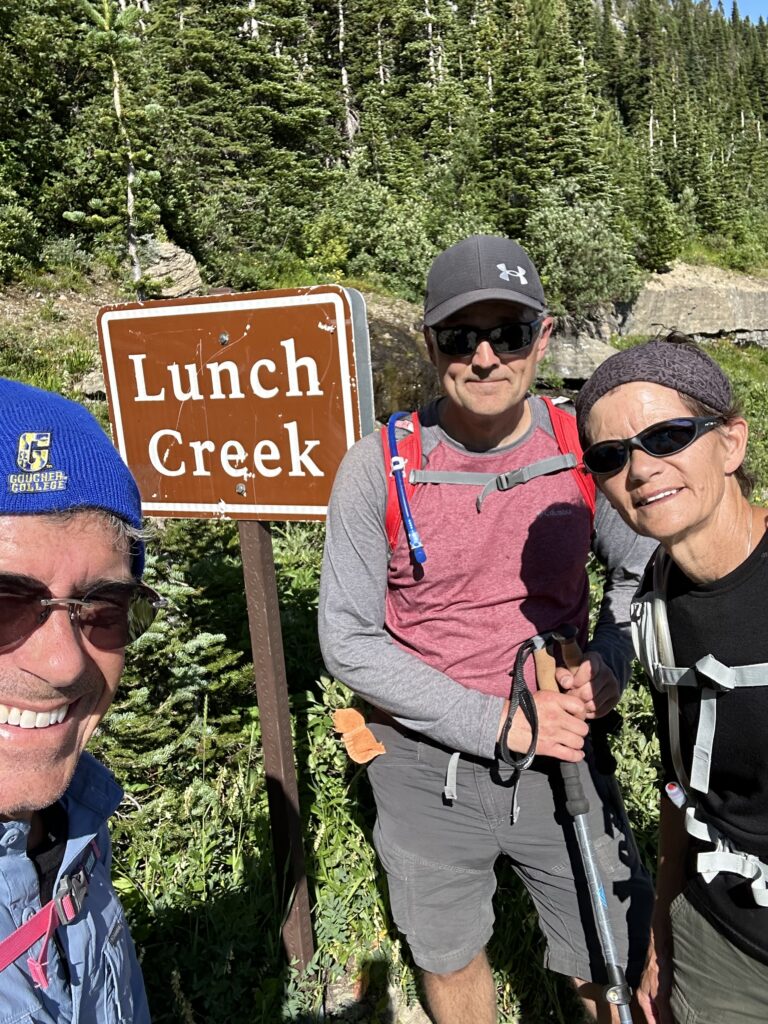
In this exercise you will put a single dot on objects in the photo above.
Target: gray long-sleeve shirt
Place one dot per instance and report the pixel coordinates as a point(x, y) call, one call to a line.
point(434, 652)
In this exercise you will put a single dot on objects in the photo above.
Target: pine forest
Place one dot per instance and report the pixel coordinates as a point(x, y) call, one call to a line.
point(292, 141)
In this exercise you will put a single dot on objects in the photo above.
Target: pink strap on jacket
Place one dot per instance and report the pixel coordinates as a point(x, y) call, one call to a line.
point(61, 910)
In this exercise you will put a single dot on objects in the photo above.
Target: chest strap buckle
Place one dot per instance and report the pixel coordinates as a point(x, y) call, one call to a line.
point(70, 896)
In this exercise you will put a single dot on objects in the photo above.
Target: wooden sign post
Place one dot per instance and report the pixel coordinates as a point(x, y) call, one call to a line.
point(241, 407)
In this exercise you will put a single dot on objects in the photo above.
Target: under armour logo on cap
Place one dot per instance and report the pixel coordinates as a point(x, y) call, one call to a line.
point(477, 269)
point(506, 274)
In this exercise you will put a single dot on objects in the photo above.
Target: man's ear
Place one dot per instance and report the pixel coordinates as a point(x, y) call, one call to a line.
point(735, 434)
point(430, 341)
point(542, 342)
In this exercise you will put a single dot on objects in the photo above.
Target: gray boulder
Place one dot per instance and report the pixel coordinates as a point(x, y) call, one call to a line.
point(92, 386)
point(403, 376)
point(175, 270)
point(578, 345)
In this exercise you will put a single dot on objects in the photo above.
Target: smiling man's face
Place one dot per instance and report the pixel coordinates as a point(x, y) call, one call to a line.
point(486, 386)
point(54, 674)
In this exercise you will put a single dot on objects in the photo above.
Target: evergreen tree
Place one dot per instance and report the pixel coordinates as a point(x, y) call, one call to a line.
point(568, 110)
point(517, 162)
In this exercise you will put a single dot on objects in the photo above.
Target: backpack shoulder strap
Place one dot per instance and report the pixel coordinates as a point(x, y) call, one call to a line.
point(409, 449)
point(567, 437)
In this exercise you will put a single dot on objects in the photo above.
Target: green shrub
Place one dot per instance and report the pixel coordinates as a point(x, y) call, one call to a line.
point(583, 261)
point(18, 234)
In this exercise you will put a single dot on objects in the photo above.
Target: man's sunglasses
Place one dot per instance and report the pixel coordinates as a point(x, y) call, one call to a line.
point(109, 616)
point(504, 339)
point(666, 438)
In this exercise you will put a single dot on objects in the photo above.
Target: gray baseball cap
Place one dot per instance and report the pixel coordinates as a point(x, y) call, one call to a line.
point(478, 268)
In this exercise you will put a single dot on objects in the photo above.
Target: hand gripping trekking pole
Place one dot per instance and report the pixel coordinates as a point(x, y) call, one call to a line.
point(616, 992)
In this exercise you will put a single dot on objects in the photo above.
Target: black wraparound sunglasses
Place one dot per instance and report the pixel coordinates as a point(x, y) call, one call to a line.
point(504, 339)
point(111, 615)
point(666, 438)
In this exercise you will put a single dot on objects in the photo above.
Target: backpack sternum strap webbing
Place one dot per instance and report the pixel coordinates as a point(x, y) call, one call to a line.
point(63, 909)
point(718, 679)
point(496, 481)
point(708, 675)
point(653, 643)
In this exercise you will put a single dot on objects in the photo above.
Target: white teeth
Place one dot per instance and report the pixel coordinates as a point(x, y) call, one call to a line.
point(27, 719)
point(657, 497)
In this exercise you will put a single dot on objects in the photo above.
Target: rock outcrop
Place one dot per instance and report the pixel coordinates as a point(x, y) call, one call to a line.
point(578, 346)
point(403, 377)
point(705, 302)
point(174, 269)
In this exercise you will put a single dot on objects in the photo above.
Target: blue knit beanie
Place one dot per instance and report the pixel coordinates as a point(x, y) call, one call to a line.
point(54, 456)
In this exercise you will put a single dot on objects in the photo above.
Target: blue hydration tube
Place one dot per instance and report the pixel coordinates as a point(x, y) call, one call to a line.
point(397, 466)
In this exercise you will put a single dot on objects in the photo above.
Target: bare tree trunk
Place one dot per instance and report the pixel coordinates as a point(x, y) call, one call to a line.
point(130, 174)
point(350, 121)
point(383, 73)
point(431, 44)
point(251, 25)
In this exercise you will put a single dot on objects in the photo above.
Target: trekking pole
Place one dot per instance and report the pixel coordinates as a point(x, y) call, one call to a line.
point(616, 992)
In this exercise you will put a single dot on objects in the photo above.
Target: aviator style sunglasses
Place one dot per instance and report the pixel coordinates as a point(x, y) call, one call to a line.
point(504, 339)
point(666, 438)
point(109, 616)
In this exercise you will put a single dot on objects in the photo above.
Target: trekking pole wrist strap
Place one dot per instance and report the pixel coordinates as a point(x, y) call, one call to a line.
point(522, 698)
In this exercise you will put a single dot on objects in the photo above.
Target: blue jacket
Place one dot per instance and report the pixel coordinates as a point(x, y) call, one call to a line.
point(101, 981)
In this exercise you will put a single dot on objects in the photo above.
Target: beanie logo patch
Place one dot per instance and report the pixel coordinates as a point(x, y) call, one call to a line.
point(34, 452)
point(33, 459)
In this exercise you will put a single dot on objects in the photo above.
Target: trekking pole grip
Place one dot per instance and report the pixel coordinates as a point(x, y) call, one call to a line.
point(545, 670)
point(576, 801)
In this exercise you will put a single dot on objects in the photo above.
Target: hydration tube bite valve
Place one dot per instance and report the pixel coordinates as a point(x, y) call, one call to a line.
point(397, 468)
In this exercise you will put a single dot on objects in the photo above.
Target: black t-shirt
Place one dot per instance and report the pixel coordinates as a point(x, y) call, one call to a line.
point(726, 619)
point(49, 852)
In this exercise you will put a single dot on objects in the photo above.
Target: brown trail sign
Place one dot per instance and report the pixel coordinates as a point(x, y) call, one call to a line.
point(241, 407)
point(238, 405)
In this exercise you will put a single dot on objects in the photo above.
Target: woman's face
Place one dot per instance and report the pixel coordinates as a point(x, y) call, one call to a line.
point(671, 497)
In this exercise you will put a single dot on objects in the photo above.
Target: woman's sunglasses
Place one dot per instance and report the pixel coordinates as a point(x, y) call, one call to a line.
point(504, 339)
point(666, 438)
point(110, 616)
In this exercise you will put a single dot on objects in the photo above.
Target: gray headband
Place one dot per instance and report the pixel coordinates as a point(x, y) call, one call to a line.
point(681, 366)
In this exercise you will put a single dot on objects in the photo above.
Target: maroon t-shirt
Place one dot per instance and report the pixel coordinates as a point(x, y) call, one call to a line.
point(493, 578)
